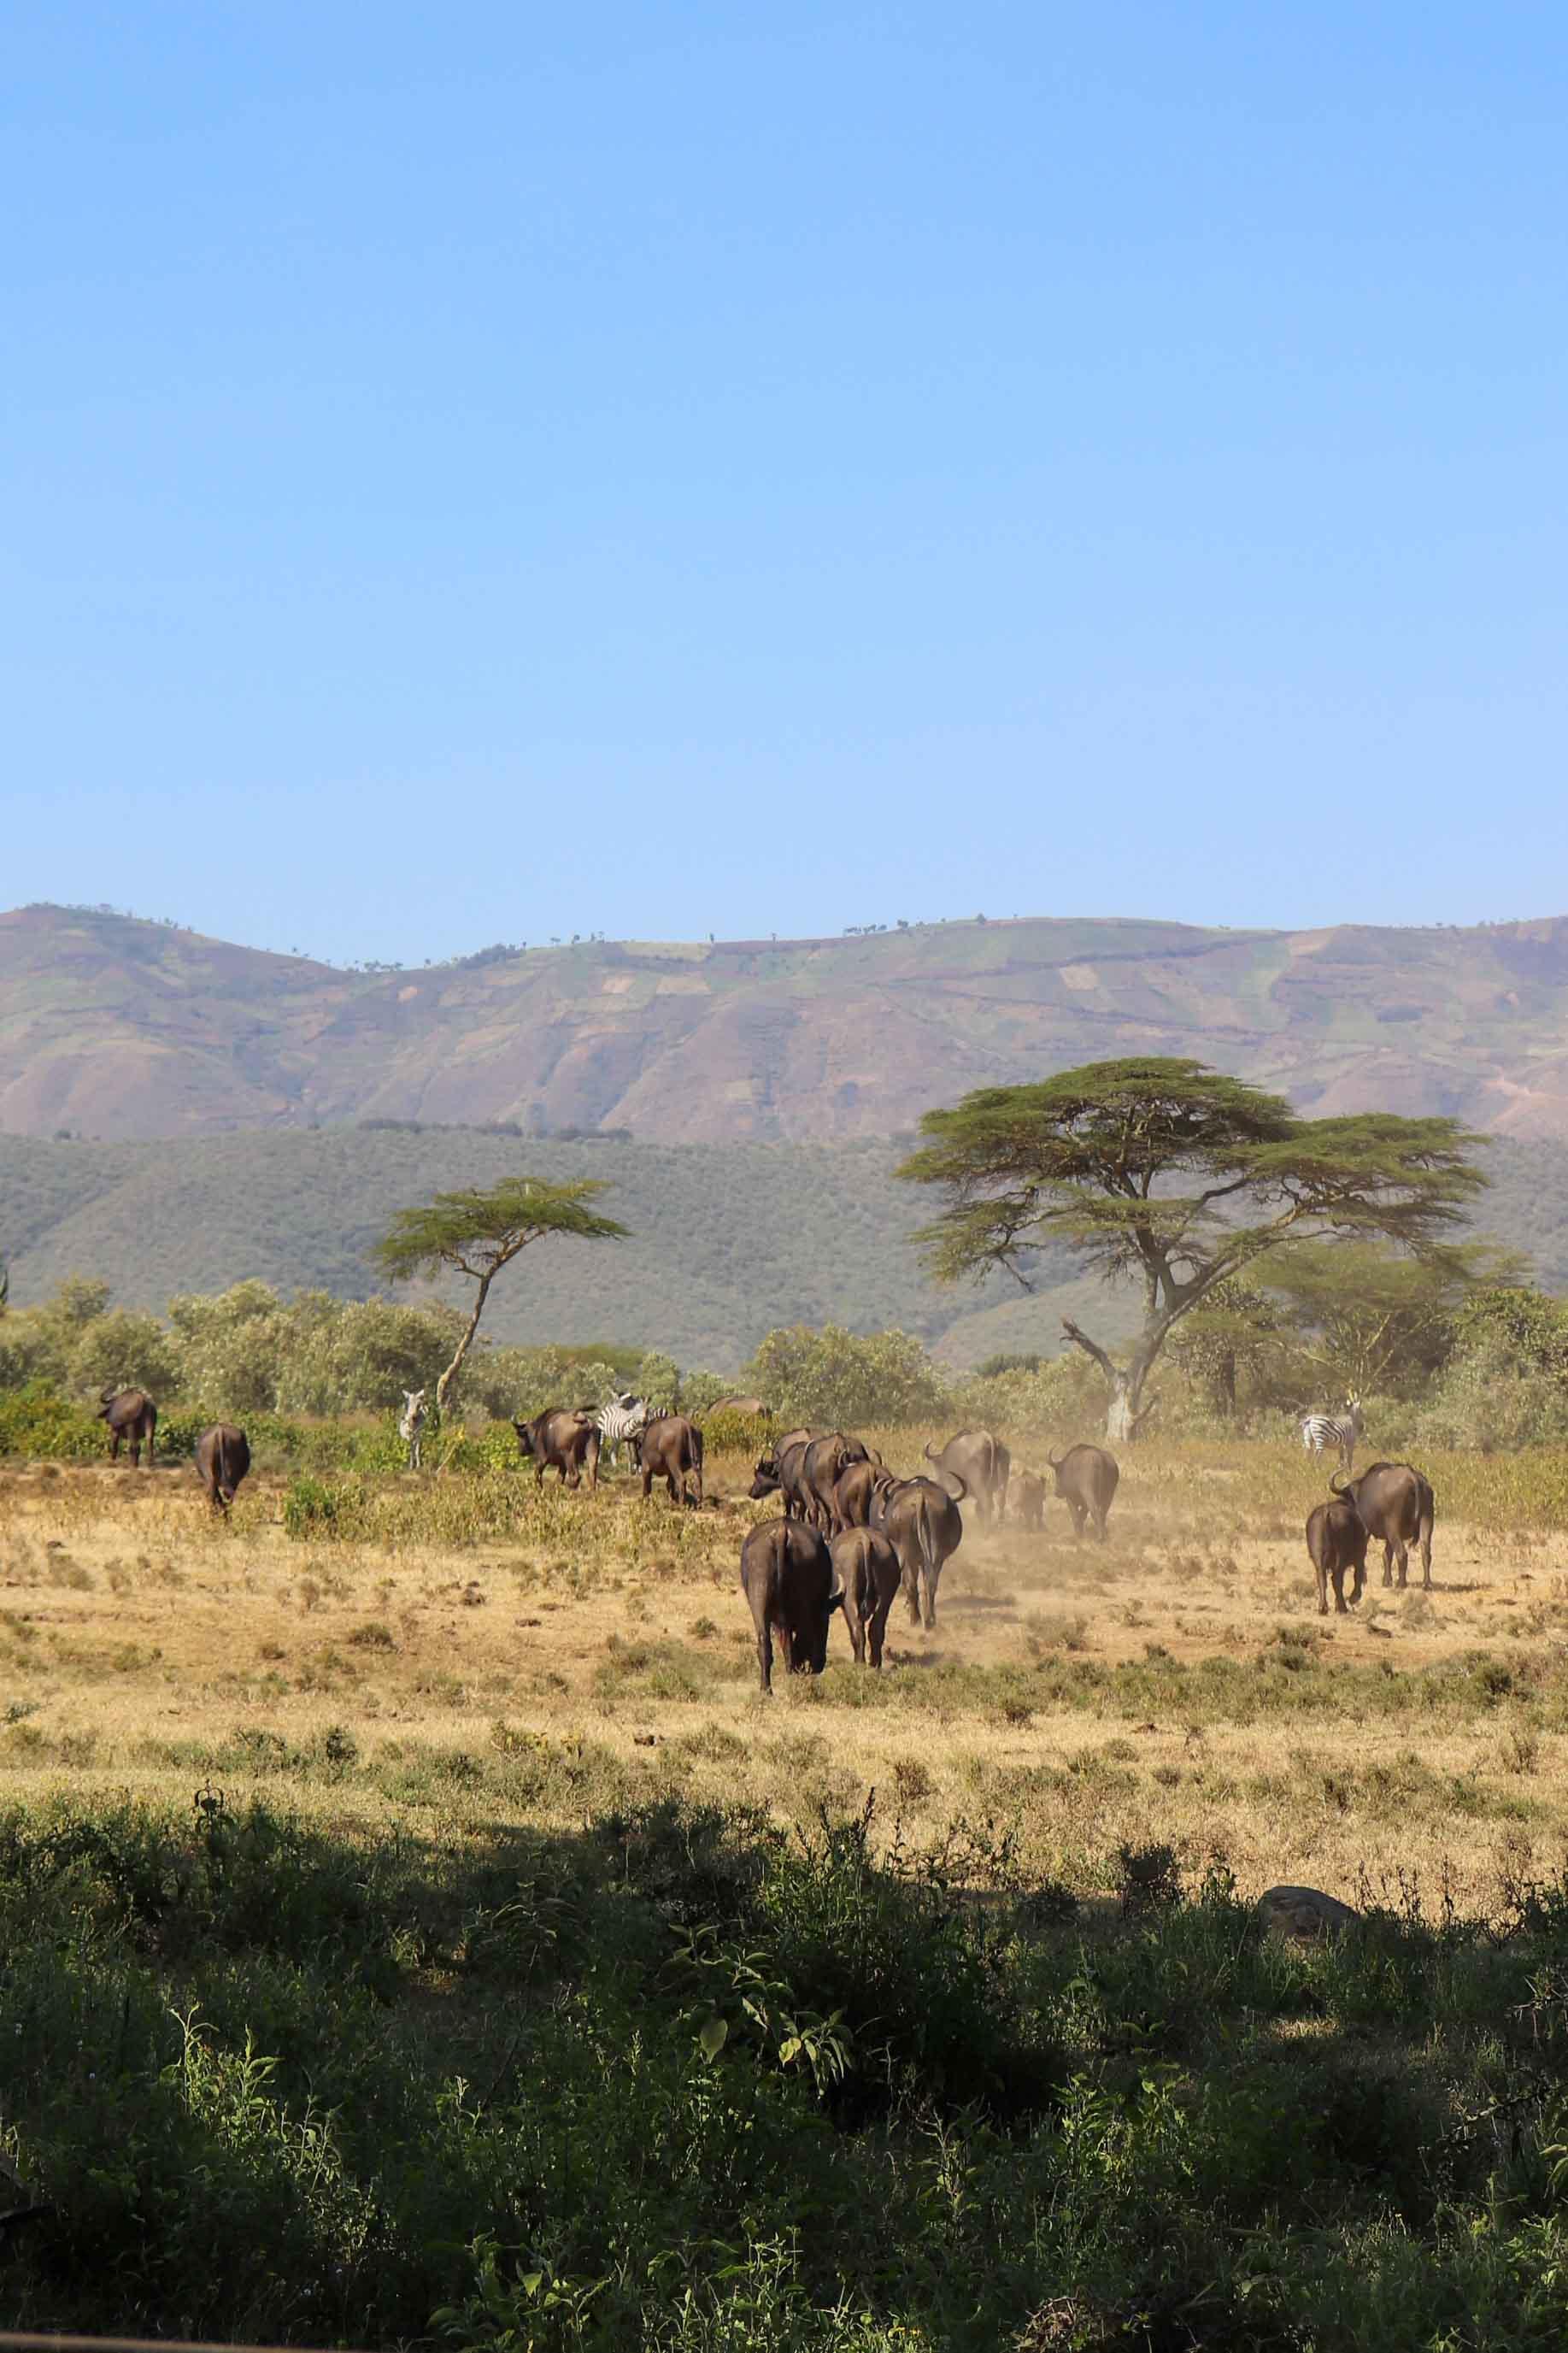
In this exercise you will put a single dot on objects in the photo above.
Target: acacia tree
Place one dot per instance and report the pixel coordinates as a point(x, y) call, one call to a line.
point(1368, 1317)
point(1176, 1176)
point(477, 1234)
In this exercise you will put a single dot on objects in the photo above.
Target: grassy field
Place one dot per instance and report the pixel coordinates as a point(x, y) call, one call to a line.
point(471, 1647)
point(366, 1856)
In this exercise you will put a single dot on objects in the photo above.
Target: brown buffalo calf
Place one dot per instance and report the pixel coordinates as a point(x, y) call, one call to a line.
point(1337, 1540)
point(1028, 1498)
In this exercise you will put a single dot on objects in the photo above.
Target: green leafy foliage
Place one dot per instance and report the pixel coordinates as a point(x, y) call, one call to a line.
point(684, 2080)
point(840, 1379)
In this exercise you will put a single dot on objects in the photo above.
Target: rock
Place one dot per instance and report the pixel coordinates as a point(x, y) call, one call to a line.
point(1305, 1914)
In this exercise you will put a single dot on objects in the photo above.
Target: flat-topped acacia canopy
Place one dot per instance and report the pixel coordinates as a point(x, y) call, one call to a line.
point(1179, 1175)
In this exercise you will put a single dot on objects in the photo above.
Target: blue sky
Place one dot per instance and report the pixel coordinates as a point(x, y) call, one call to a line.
point(492, 471)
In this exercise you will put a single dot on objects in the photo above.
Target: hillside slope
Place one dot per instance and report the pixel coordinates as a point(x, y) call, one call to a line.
point(117, 1028)
point(726, 1241)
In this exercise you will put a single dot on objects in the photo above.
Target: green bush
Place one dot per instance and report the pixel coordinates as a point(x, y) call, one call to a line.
point(739, 1433)
point(36, 1421)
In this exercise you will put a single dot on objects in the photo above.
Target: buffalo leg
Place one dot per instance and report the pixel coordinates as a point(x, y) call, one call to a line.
point(647, 1491)
point(878, 1627)
point(765, 1655)
point(1402, 1554)
point(1388, 1564)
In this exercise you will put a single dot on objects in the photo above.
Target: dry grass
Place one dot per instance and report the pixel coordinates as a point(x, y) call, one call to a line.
point(1176, 1685)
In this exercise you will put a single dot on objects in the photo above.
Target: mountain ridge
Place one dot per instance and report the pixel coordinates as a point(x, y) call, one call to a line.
point(124, 1029)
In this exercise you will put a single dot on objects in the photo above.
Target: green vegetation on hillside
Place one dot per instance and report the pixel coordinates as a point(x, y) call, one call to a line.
point(731, 1242)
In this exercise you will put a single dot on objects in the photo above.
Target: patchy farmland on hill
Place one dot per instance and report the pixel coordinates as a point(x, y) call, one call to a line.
point(119, 1028)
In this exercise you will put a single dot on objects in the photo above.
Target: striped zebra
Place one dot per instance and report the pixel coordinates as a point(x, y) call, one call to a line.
point(625, 1418)
point(411, 1424)
point(1321, 1432)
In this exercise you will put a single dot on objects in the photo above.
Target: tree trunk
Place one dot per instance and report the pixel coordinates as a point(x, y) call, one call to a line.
point(456, 1367)
point(1126, 1412)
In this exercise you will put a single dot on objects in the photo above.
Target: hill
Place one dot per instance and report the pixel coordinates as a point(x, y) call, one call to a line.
point(117, 1028)
point(727, 1240)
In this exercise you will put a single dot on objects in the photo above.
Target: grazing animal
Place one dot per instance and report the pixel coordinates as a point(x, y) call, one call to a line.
point(1087, 1477)
point(223, 1458)
point(672, 1451)
point(623, 1419)
point(1337, 1540)
point(787, 1578)
point(866, 1566)
point(854, 1491)
point(825, 1459)
point(411, 1424)
point(1028, 1498)
point(1323, 1433)
point(1397, 1507)
point(748, 1405)
point(797, 1437)
point(130, 1415)
point(782, 1473)
point(921, 1522)
point(981, 1463)
point(561, 1441)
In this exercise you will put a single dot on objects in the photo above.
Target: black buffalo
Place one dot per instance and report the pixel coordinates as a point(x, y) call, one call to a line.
point(561, 1441)
point(130, 1415)
point(1337, 1540)
point(223, 1458)
point(672, 1451)
point(1087, 1478)
point(1396, 1503)
point(866, 1565)
point(788, 1578)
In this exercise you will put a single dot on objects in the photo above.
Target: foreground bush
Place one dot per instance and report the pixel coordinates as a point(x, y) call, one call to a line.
point(687, 2082)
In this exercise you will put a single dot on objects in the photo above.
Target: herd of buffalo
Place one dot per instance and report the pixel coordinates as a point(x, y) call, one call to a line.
point(853, 1534)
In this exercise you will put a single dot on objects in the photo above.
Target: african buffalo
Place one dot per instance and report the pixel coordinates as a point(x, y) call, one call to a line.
point(921, 1522)
point(562, 1441)
point(980, 1462)
point(787, 1578)
point(223, 1458)
point(130, 1415)
point(752, 1405)
point(866, 1566)
point(672, 1451)
point(1337, 1540)
point(782, 1473)
point(1086, 1482)
point(854, 1491)
point(826, 1458)
point(1396, 1506)
point(1027, 1496)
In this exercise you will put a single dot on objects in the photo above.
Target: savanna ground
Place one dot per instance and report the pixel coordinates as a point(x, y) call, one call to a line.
point(1175, 1684)
point(414, 1922)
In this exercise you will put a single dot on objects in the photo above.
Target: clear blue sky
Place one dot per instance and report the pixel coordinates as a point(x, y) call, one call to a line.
point(478, 472)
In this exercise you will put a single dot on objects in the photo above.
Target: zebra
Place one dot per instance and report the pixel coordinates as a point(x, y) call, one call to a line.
point(1323, 1431)
point(623, 1419)
point(411, 1423)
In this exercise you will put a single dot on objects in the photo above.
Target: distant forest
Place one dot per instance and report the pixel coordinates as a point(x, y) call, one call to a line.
point(728, 1240)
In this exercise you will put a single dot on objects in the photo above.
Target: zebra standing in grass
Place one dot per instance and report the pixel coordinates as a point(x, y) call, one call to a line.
point(411, 1423)
point(625, 1418)
point(1321, 1431)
